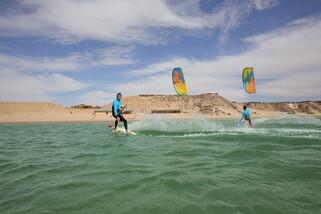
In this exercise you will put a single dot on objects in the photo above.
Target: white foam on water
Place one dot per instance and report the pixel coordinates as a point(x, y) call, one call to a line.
point(312, 134)
point(198, 127)
point(164, 124)
point(290, 119)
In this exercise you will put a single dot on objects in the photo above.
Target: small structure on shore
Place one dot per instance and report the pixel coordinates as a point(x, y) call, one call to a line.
point(165, 111)
point(105, 111)
point(85, 106)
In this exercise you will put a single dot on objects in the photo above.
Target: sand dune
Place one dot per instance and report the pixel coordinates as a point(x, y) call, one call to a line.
point(15, 112)
point(209, 105)
point(212, 105)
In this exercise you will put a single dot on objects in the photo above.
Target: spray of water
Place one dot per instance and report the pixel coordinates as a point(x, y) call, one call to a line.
point(287, 126)
point(164, 124)
point(290, 119)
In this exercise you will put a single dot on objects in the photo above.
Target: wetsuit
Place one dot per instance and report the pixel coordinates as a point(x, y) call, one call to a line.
point(116, 111)
point(246, 116)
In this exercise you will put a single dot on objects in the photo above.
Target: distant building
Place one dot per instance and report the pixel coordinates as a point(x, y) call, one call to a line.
point(84, 106)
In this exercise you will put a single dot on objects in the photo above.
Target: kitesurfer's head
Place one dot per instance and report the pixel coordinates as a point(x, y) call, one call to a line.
point(119, 96)
point(244, 107)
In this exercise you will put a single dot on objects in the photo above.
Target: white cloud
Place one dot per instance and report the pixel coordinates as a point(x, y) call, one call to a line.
point(34, 64)
point(38, 78)
point(115, 55)
point(97, 97)
point(123, 21)
point(230, 14)
point(16, 86)
point(286, 62)
point(118, 55)
point(262, 4)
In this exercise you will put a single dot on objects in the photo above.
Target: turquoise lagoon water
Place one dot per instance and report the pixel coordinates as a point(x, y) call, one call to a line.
point(171, 166)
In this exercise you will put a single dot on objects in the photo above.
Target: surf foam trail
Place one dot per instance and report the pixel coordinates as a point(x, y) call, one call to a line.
point(285, 126)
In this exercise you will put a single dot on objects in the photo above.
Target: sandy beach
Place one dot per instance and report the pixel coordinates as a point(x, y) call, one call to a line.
point(211, 106)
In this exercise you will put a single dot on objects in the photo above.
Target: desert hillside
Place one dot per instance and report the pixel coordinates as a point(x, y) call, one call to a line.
point(207, 104)
point(306, 107)
point(210, 105)
point(42, 112)
point(30, 107)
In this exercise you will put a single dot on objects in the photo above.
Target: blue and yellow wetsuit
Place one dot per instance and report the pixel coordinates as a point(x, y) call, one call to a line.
point(246, 115)
point(116, 111)
point(116, 108)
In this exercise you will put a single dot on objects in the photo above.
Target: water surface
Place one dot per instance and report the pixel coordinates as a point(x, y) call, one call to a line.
point(171, 166)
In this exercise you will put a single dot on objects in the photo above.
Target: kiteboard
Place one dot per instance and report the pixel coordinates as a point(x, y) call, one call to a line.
point(246, 124)
point(121, 130)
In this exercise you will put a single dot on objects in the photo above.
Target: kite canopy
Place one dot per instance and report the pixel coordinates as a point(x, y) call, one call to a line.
point(179, 81)
point(248, 80)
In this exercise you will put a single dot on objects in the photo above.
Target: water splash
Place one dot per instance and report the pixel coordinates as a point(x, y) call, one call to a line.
point(290, 119)
point(173, 125)
point(285, 126)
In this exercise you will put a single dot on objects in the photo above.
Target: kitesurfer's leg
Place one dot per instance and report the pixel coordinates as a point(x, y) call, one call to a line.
point(116, 122)
point(125, 122)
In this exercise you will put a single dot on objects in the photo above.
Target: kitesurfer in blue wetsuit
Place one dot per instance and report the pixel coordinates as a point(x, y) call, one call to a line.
point(246, 116)
point(117, 111)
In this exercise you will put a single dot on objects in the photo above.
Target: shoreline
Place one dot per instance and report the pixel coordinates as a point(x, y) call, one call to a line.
point(208, 106)
point(146, 116)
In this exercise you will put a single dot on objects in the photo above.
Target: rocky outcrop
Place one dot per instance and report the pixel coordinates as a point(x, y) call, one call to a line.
point(212, 104)
point(306, 107)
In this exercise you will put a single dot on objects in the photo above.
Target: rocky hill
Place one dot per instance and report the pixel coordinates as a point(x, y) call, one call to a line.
point(209, 105)
point(306, 107)
point(212, 104)
point(30, 107)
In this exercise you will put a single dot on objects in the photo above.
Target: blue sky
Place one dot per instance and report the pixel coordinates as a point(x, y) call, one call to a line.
point(85, 51)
